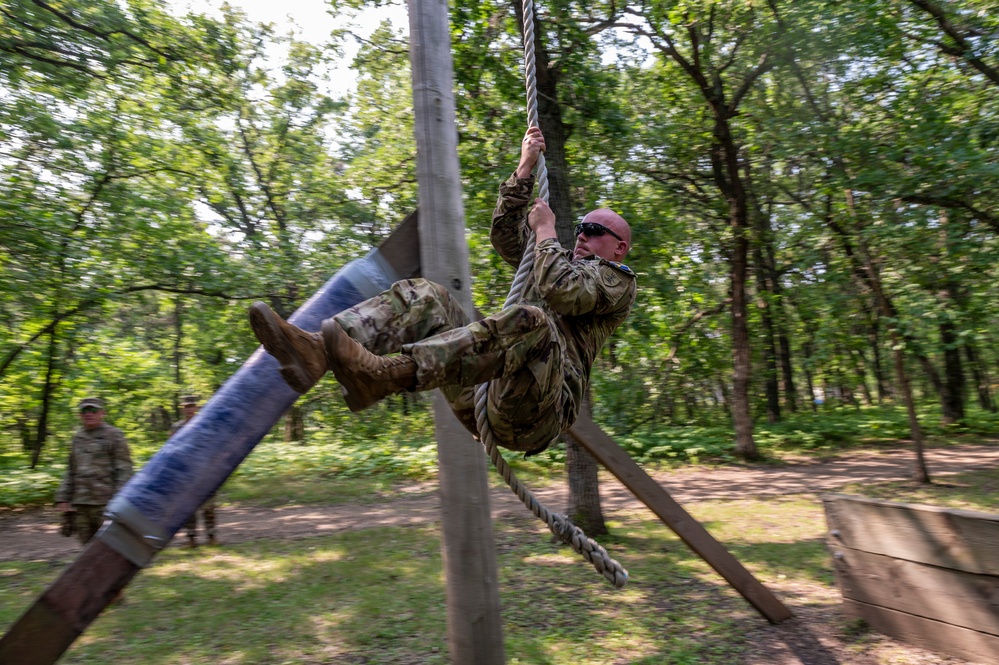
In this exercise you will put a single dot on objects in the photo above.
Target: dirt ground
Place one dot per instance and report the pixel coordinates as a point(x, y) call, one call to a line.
point(813, 637)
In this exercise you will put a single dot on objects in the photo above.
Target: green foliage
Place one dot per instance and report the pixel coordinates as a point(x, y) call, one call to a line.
point(21, 486)
point(826, 432)
point(159, 172)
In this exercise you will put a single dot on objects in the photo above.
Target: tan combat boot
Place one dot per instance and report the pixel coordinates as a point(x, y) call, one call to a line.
point(365, 378)
point(300, 353)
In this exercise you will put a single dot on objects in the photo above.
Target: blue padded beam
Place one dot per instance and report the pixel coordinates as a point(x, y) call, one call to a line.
point(194, 463)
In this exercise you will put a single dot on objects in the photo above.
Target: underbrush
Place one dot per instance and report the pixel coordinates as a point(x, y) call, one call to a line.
point(825, 432)
point(370, 455)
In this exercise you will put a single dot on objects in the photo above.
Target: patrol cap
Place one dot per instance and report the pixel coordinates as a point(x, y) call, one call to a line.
point(90, 401)
point(189, 399)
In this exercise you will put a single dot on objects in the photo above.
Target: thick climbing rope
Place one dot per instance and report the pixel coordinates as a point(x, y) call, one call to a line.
point(558, 523)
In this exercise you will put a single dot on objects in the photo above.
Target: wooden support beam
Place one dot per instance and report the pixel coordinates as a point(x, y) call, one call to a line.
point(67, 607)
point(474, 623)
point(649, 492)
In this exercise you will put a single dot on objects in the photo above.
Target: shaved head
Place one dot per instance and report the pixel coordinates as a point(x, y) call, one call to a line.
point(605, 246)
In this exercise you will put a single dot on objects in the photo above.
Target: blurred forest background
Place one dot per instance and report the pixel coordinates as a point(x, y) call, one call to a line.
point(813, 188)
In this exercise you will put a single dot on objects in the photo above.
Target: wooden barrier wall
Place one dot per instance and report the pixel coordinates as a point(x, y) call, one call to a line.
point(923, 575)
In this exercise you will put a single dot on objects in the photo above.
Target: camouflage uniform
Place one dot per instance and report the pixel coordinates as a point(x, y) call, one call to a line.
point(99, 465)
point(536, 354)
point(206, 509)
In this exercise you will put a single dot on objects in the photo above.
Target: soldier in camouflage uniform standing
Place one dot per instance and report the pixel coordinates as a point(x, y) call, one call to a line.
point(100, 463)
point(189, 403)
point(536, 354)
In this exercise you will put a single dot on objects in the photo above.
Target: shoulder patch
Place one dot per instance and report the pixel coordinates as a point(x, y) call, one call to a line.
point(620, 266)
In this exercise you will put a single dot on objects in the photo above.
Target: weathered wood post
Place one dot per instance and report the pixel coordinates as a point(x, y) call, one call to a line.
point(474, 622)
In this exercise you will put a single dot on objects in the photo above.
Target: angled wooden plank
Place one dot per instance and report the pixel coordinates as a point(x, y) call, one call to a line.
point(649, 492)
point(65, 609)
point(402, 248)
point(960, 539)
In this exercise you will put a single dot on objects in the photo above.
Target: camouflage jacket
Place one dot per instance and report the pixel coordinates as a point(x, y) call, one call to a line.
point(99, 465)
point(588, 298)
point(177, 425)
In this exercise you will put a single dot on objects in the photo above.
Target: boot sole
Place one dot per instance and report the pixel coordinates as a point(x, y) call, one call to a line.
point(266, 327)
point(332, 331)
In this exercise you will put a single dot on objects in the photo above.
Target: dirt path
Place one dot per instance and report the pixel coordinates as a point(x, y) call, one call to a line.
point(34, 536)
point(813, 637)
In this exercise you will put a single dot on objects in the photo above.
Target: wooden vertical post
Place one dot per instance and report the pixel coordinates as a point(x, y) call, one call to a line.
point(474, 622)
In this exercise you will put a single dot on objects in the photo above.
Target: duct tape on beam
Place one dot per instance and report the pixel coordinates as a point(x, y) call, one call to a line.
point(131, 534)
point(370, 275)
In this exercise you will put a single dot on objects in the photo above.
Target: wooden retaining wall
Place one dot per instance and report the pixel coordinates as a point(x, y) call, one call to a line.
point(923, 575)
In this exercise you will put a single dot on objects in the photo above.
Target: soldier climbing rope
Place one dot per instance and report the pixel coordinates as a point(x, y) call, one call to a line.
point(559, 524)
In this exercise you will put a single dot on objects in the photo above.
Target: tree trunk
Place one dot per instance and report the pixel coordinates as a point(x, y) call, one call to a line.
point(47, 389)
point(867, 270)
point(806, 349)
point(294, 425)
point(919, 471)
point(689, 406)
point(764, 299)
point(930, 373)
point(726, 397)
point(860, 367)
point(745, 446)
point(874, 338)
point(981, 378)
point(178, 337)
point(952, 396)
point(584, 484)
point(787, 370)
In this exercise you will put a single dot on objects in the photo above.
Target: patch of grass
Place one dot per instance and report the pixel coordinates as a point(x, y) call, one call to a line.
point(975, 490)
point(377, 596)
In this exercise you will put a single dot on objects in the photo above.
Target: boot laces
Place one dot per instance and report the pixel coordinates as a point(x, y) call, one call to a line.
point(390, 367)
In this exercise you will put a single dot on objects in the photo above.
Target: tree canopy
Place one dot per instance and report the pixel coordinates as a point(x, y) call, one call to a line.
point(811, 187)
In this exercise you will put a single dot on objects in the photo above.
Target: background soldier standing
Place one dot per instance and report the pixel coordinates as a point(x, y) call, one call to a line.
point(207, 510)
point(100, 463)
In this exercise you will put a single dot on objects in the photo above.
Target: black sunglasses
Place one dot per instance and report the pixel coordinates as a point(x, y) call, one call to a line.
point(594, 230)
point(89, 409)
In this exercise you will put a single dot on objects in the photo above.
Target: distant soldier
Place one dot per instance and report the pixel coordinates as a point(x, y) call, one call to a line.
point(100, 463)
point(207, 510)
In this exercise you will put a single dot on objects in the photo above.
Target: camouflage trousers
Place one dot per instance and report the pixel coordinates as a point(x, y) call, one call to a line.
point(88, 520)
point(519, 351)
point(207, 512)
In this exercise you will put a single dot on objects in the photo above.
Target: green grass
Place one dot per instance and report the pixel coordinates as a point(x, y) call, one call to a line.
point(976, 490)
point(377, 596)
